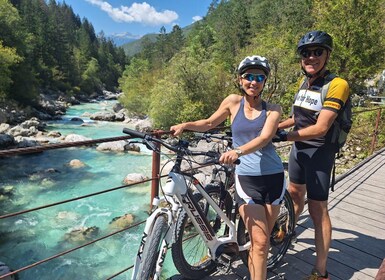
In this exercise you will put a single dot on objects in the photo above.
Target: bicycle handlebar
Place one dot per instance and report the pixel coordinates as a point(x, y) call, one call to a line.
point(180, 148)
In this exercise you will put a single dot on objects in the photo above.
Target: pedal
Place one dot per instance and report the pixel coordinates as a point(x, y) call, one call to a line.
point(224, 263)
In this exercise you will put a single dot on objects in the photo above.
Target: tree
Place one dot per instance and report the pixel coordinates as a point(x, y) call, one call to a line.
point(357, 30)
point(8, 58)
point(136, 83)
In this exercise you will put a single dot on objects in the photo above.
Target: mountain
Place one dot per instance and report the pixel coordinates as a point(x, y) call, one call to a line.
point(133, 47)
point(123, 38)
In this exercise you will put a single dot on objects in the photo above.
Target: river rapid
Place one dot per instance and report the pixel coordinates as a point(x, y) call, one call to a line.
point(39, 179)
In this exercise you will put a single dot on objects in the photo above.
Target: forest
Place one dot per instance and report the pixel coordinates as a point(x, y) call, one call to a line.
point(45, 47)
point(180, 78)
point(185, 75)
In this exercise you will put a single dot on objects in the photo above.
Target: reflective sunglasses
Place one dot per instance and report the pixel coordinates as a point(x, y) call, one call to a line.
point(306, 53)
point(259, 78)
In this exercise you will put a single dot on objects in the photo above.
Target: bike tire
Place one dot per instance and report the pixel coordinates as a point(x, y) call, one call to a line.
point(152, 248)
point(189, 252)
point(280, 238)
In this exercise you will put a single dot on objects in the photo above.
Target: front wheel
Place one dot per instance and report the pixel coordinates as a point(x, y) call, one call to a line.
point(280, 237)
point(152, 248)
point(189, 252)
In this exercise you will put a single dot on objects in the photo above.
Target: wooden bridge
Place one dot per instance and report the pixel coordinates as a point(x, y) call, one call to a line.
point(357, 211)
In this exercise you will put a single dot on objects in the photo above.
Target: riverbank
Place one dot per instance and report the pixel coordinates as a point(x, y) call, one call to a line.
point(26, 127)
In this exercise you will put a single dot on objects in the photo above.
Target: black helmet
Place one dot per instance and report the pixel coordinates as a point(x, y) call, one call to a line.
point(254, 61)
point(316, 38)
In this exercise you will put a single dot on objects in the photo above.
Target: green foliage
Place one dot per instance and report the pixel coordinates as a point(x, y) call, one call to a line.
point(200, 74)
point(90, 81)
point(357, 29)
point(49, 47)
point(135, 84)
point(8, 58)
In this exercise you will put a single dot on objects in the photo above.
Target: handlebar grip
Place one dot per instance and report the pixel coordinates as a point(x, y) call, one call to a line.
point(238, 161)
point(134, 133)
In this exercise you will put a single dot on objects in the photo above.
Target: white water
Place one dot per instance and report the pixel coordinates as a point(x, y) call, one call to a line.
point(31, 237)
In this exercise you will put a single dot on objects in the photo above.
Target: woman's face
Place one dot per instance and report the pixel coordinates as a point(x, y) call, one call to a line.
point(313, 59)
point(253, 81)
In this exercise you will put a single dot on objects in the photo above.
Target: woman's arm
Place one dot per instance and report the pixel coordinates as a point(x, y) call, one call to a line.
point(213, 121)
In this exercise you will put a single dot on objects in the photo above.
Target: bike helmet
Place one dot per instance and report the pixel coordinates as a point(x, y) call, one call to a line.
point(254, 61)
point(316, 38)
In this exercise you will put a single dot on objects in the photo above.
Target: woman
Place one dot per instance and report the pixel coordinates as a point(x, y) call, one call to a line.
point(260, 176)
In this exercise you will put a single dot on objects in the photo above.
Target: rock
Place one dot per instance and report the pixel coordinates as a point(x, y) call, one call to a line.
point(23, 142)
point(103, 116)
point(6, 141)
point(4, 127)
point(4, 269)
point(122, 221)
point(117, 107)
point(134, 178)
point(82, 234)
point(144, 125)
point(115, 146)
point(54, 134)
point(77, 120)
point(67, 215)
point(75, 138)
point(75, 163)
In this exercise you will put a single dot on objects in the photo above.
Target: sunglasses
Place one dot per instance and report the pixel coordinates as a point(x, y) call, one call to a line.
point(259, 78)
point(306, 53)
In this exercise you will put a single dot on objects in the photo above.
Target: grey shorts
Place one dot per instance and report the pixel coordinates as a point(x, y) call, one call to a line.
point(265, 189)
point(312, 166)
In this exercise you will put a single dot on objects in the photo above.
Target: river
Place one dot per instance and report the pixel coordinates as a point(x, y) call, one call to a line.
point(45, 178)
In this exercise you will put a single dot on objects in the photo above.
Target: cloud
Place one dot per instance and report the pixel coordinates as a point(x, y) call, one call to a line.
point(196, 18)
point(138, 12)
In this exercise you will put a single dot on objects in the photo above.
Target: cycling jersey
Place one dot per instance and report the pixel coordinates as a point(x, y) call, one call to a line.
point(308, 104)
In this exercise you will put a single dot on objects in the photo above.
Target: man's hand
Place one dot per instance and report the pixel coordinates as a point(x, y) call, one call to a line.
point(280, 136)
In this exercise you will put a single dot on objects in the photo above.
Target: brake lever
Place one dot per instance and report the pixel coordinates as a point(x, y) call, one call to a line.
point(150, 145)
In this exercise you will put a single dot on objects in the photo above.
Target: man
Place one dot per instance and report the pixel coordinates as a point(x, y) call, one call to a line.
point(313, 153)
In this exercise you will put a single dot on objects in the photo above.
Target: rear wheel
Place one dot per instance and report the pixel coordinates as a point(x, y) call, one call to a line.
point(189, 252)
point(152, 248)
point(280, 237)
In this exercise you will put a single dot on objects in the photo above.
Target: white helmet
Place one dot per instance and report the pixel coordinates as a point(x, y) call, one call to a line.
point(254, 61)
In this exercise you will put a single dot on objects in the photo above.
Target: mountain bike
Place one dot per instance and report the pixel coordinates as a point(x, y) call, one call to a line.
point(184, 210)
point(189, 252)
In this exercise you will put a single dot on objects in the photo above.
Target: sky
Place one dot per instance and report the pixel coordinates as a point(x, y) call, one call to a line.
point(134, 19)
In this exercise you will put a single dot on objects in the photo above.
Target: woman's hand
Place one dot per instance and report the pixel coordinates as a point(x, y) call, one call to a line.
point(177, 129)
point(229, 157)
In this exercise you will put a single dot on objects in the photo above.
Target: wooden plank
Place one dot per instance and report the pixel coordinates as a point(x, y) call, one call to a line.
point(343, 259)
point(364, 196)
point(356, 223)
point(352, 202)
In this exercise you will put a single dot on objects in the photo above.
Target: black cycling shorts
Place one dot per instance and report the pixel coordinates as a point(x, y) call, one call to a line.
point(312, 166)
point(265, 189)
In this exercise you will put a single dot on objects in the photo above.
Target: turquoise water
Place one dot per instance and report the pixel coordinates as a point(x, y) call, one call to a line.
point(46, 178)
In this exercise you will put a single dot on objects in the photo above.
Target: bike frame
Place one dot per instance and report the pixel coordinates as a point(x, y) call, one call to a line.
point(178, 194)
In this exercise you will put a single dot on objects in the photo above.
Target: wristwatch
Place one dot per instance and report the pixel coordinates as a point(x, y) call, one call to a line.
point(238, 151)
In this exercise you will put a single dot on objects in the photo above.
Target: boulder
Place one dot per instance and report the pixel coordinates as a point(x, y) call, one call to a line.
point(122, 221)
point(76, 163)
point(134, 178)
point(82, 234)
point(75, 138)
